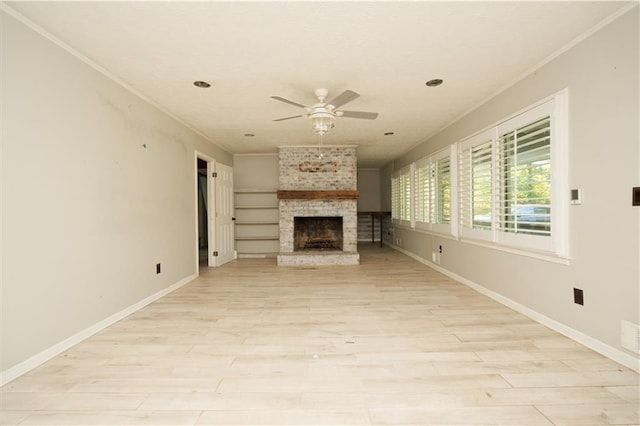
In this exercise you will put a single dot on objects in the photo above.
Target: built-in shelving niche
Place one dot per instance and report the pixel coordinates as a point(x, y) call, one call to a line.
point(257, 231)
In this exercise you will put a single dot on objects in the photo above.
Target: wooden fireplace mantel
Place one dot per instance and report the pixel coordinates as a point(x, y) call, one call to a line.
point(337, 194)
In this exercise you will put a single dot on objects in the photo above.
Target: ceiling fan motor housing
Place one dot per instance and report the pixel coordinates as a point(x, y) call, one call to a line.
point(321, 94)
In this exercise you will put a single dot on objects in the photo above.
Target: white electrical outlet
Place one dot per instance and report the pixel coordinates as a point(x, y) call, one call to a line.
point(630, 336)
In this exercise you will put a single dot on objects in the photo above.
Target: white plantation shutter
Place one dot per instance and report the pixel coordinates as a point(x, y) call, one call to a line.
point(401, 195)
point(395, 196)
point(476, 185)
point(524, 179)
point(443, 190)
point(432, 194)
point(424, 194)
point(405, 187)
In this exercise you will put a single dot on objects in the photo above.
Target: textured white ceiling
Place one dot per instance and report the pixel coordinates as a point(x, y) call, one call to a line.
point(385, 51)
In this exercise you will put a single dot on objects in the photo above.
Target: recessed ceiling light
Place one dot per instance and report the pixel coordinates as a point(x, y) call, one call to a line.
point(388, 133)
point(201, 84)
point(435, 82)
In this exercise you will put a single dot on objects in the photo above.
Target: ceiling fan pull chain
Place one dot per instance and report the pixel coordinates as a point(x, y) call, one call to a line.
point(320, 154)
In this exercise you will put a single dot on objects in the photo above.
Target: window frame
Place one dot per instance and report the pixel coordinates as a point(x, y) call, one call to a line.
point(431, 163)
point(420, 207)
point(401, 212)
point(550, 247)
point(479, 139)
point(556, 108)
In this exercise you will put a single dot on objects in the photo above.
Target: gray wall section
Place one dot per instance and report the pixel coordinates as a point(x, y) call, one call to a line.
point(98, 186)
point(385, 186)
point(369, 188)
point(601, 73)
point(260, 171)
point(255, 171)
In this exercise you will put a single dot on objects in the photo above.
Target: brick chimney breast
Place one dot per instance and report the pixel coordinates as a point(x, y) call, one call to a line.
point(311, 170)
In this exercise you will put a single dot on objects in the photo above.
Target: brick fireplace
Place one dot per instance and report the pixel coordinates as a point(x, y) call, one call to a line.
point(318, 200)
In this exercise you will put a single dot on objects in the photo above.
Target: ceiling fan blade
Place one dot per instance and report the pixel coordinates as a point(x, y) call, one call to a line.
point(289, 118)
point(359, 114)
point(280, 98)
point(343, 98)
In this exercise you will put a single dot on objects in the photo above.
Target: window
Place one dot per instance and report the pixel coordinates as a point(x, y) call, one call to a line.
point(401, 195)
point(405, 188)
point(513, 180)
point(443, 190)
point(395, 196)
point(524, 179)
point(476, 185)
point(506, 185)
point(425, 194)
point(433, 196)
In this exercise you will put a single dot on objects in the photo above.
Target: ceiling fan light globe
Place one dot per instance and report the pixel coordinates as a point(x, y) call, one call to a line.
point(321, 123)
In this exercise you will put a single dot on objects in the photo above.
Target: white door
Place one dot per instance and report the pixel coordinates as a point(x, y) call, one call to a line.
point(224, 221)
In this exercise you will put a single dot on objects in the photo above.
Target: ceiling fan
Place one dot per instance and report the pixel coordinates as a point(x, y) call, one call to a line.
point(323, 113)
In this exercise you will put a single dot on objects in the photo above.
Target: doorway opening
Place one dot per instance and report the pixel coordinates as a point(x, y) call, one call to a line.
point(214, 239)
point(205, 211)
point(203, 216)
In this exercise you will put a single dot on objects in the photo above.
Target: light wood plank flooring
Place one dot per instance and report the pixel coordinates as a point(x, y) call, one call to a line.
point(390, 341)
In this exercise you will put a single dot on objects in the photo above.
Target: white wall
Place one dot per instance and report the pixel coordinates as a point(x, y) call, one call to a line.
point(601, 73)
point(98, 186)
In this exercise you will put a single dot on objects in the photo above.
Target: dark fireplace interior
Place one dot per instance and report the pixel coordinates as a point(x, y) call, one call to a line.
point(317, 233)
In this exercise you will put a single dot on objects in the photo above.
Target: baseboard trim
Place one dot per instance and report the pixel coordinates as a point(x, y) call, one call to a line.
point(586, 340)
point(38, 359)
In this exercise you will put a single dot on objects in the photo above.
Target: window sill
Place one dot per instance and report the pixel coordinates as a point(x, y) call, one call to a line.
point(541, 255)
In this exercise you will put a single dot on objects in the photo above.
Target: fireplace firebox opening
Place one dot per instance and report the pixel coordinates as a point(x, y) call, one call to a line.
point(317, 233)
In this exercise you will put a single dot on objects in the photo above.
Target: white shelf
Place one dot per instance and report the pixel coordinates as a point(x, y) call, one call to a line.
point(256, 222)
point(256, 207)
point(255, 191)
point(265, 238)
